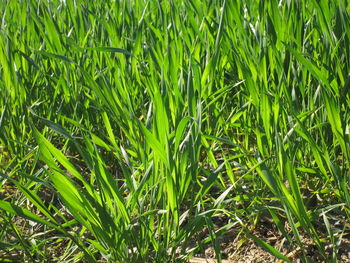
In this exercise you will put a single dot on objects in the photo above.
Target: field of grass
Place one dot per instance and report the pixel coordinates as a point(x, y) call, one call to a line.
point(144, 131)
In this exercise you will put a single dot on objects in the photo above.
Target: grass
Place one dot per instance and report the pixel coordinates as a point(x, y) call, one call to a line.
point(128, 127)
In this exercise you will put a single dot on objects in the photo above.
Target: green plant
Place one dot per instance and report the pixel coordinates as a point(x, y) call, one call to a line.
point(147, 120)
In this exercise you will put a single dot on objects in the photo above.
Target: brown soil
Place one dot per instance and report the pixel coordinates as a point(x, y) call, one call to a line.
point(244, 250)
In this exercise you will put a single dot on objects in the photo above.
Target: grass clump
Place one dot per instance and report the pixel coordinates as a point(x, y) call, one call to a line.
point(142, 131)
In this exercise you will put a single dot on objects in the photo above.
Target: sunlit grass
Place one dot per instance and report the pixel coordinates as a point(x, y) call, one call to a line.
point(144, 121)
